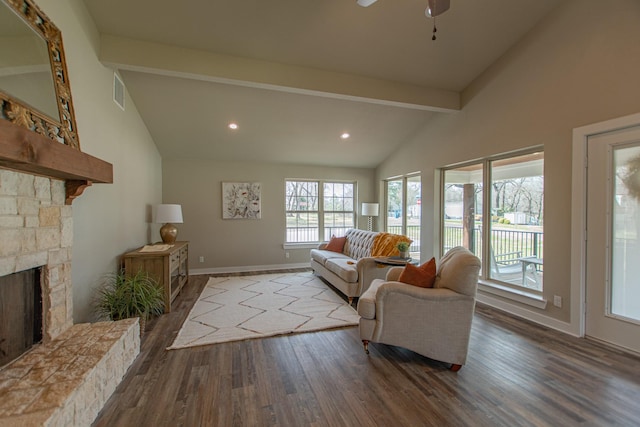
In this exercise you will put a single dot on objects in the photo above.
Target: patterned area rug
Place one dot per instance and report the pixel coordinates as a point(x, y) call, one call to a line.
point(246, 307)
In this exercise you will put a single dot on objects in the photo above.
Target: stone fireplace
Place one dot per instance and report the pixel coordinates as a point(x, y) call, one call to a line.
point(36, 229)
point(67, 378)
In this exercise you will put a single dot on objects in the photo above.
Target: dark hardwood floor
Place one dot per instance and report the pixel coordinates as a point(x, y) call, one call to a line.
point(517, 374)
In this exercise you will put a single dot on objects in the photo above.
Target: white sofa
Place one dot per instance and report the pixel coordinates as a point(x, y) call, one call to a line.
point(351, 271)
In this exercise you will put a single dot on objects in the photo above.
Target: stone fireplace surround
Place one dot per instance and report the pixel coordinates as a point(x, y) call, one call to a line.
point(67, 379)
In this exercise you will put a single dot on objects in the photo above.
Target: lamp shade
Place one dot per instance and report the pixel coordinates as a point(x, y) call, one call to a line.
point(169, 214)
point(370, 209)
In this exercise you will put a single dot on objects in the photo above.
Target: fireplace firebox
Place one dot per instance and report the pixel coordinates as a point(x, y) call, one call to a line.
point(20, 313)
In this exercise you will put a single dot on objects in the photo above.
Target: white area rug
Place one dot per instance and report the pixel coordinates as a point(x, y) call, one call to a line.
point(245, 307)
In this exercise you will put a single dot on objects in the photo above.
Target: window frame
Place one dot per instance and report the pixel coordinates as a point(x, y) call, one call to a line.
point(404, 180)
point(487, 282)
point(320, 212)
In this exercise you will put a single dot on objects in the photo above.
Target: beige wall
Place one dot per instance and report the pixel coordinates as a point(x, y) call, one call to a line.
point(242, 244)
point(580, 65)
point(109, 219)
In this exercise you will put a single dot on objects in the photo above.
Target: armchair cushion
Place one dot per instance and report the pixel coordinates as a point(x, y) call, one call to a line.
point(423, 276)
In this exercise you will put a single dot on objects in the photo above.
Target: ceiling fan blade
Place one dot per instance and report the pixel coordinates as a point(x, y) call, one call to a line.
point(437, 7)
point(366, 3)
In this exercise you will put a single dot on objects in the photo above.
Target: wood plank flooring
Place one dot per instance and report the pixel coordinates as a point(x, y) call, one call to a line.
point(517, 374)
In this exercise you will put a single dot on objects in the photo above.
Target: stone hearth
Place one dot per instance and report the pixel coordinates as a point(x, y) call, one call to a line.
point(36, 229)
point(66, 381)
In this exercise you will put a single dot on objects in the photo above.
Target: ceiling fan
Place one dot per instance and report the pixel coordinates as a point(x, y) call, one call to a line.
point(434, 8)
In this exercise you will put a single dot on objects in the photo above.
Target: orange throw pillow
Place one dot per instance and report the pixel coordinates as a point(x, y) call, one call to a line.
point(336, 244)
point(423, 276)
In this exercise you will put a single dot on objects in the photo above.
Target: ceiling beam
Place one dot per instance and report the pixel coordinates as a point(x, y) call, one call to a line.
point(135, 55)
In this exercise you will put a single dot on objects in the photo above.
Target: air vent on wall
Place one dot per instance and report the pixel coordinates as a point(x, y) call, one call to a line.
point(118, 91)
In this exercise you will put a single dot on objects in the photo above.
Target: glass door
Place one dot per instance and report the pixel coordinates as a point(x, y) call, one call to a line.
point(613, 238)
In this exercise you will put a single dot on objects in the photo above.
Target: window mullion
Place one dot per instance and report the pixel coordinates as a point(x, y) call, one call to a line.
point(486, 219)
point(404, 206)
point(321, 210)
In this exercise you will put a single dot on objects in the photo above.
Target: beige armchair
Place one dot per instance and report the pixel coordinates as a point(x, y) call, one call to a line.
point(434, 322)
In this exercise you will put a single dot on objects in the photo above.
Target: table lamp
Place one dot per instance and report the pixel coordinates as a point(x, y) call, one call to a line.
point(370, 210)
point(168, 215)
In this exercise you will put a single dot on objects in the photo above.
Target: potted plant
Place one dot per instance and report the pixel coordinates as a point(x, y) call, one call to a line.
point(403, 248)
point(122, 297)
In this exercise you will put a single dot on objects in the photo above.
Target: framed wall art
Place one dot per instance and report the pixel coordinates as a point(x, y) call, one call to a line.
point(241, 200)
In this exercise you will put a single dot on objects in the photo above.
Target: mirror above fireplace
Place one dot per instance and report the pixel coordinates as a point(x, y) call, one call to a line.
point(23, 20)
point(25, 71)
point(38, 132)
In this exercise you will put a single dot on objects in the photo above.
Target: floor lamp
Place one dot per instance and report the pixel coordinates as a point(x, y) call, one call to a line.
point(370, 210)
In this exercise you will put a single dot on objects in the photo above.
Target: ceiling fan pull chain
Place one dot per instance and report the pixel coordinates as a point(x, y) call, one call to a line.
point(434, 29)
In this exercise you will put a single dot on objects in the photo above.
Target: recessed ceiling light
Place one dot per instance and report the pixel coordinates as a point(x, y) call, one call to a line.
point(233, 126)
point(345, 136)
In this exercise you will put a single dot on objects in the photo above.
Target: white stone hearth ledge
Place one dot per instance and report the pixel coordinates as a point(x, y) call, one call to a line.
point(67, 381)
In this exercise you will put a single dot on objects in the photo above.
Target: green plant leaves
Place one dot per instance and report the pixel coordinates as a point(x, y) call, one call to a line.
point(122, 296)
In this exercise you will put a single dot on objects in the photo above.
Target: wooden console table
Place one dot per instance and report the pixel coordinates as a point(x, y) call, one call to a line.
point(169, 267)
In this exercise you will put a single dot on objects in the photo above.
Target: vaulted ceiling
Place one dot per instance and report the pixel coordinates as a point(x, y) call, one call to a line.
point(296, 74)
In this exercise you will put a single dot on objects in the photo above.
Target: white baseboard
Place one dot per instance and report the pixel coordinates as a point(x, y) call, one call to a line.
point(538, 318)
point(246, 268)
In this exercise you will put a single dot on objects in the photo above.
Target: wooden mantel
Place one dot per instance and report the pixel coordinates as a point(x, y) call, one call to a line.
point(26, 151)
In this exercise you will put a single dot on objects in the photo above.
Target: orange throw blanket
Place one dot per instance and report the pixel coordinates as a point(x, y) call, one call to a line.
point(384, 244)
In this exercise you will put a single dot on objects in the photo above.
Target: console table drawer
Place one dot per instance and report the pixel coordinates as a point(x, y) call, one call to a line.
point(175, 261)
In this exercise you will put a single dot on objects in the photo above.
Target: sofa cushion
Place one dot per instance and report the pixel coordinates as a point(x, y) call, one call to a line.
point(336, 244)
point(345, 268)
point(423, 276)
point(321, 256)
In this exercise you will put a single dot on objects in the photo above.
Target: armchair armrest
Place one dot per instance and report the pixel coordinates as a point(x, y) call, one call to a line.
point(431, 321)
point(435, 322)
point(394, 274)
point(391, 288)
point(368, 270)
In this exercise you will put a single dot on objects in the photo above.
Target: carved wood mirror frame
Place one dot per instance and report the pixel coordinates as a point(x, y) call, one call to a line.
point(11, 109)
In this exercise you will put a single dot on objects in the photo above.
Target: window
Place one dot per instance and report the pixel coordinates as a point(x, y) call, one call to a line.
point(316, 210)
point(404, 209)
point(509, 210)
